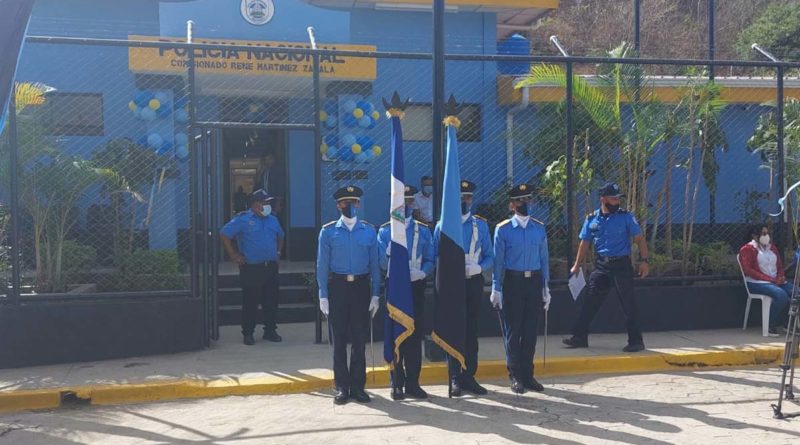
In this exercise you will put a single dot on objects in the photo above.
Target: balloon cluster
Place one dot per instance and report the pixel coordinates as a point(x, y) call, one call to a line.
point(149, 106)
point(350, 147)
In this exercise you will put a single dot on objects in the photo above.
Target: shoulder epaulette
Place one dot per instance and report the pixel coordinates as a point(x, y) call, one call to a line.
point(329, 224)
point(480, 218)
point(591, 214)
point(536, 220)
point(622, 211)
point(386, 223)
point(504, 222)
point(242, 213)
point(421, 223)
point(368, 223)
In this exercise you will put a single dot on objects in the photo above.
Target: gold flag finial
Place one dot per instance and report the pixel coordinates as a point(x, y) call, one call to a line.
point(451, 110)
point(395, 108)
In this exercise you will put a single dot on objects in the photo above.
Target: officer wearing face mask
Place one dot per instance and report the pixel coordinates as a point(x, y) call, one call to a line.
point(405, 377)
point(259, 241)
point(610, 229)
point(478, 258)
point(519, 286)
point(348, 273)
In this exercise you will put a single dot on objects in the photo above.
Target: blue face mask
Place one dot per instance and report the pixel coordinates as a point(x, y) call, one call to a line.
point(427, 189)
point(409, 212)
point(464, 208)
point(267, 210)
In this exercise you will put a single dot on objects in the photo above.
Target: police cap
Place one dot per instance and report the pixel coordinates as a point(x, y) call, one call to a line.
point(410, 191)
point(611, 190)
point(348, 192)
point(520, 191)
point(467, 187)
point(260, 196)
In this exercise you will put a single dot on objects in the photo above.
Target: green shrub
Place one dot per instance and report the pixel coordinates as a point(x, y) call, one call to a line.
point(77, 258)
point(145, 270)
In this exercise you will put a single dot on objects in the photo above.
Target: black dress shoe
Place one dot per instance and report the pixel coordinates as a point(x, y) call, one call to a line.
point(272, 336)
point(341, 397)
point(415, 392)
point(455, 388)
point(575, 342)
point(533, 385)
point(249, 340)
point(472, 386)
point(360, 395)
point(397, 394)
point(517, 387)
point(633, 348)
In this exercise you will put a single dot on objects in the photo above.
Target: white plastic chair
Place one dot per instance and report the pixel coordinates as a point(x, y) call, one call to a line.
point(766, 302)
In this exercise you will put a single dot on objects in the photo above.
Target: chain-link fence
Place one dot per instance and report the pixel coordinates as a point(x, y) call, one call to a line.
point(105, 147)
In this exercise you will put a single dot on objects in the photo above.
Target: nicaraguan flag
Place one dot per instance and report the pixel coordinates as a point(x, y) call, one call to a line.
point(14, 17)
point(450, 315)
point(399, 303)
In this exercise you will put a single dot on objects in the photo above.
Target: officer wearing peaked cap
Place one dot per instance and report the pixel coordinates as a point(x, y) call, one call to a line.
point(259, 240)
point(610, 229)
point(348, 273)
point(478, 258)
point(405, 377)
point(519, 285)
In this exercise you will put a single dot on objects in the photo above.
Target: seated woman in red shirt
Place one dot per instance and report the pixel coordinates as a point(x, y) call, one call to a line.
point(764, 274)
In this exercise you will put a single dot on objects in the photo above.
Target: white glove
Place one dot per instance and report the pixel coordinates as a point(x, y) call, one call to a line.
point(417, 274)
point(497, 299)
point(473, 269)
point(374, 304)
point(546, 297)
point(389, 250)
point(323, 306)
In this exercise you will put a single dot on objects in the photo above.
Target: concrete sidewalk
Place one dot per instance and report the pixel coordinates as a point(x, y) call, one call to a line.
point(298, 365)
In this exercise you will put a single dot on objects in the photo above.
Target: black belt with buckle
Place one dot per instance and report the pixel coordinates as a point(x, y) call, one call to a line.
point(610, 259)
point(349, 278)
point(265, 263)
point(523, 273)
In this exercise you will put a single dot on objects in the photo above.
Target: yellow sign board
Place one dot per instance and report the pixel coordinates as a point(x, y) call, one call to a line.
point(251, 62)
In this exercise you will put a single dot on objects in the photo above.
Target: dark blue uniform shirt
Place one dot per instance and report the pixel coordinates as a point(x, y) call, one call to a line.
point(424, 260)
point(347, 252)
point(612, 233)
point(256, 236)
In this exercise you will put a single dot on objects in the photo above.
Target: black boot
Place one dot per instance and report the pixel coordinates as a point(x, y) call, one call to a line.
point(533, 385)
point(272, 336)
point(455, 388)
point(360, 395)
point(415, 392)
point(341, 396)
point(516, 386)
point(249, 340)
point(633, 348)
point(470, 385)
point(575, 342)
point(397, 394)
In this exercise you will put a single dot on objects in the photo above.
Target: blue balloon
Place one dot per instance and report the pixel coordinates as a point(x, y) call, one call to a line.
point(345, 154)
point(142, 140)
point(364, 105)
point(165, 148)
point(349, 106)
point(162, 97)
point(181, 102)
point(332, 152)
point(148, 114)
point(348, 140)
point(349, 121)
point(164, 111)
point(365, 142)
point(330, 107)
point(181, 139)
point(361, 157)
point(155, 141)
point(369, 156)
point(331, 122)
point(365, 121)
point(137, 113)
point(331, 140)
point(182, 151)
point(371, 123)
point(142, 98)
point(181, 116)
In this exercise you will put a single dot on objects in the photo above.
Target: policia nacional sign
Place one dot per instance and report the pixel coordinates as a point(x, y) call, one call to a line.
point(251, 62)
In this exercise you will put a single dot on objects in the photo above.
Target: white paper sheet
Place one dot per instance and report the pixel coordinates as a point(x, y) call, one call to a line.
point(576, 284)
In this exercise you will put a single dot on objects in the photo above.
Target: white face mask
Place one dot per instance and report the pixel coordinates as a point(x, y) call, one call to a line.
point(764, 240)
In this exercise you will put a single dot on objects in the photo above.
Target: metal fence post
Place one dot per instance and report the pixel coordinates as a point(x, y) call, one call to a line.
point(15, 290)
point(438, 103)
point(317, 176)
point(570, 166)
point(781, 156)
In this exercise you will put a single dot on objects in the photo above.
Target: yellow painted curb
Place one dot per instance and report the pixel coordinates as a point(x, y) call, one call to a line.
point(436, 373)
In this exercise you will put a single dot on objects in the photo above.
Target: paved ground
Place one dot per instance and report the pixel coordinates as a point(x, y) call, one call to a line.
point(299, 358)
point(711, 407)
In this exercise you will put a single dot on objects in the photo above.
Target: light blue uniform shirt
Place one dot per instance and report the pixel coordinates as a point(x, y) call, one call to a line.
point(347, 252)
point(520, 249)
point(257, 236)
point(612, 233)
point(483, 245)
point(424, 253)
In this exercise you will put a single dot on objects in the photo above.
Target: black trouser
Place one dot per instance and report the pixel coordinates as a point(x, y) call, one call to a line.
point(349, 319)
point(522, 305)
point(474, 288)
point(259, 286)
point(617, 274)
point(406, 372)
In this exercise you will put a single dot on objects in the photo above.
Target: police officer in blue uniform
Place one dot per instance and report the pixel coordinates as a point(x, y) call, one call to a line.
point(259, 241)
point(405, 377)
point(520, 285)
point(478, 259)
point(610, 229)
point(348, 273)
